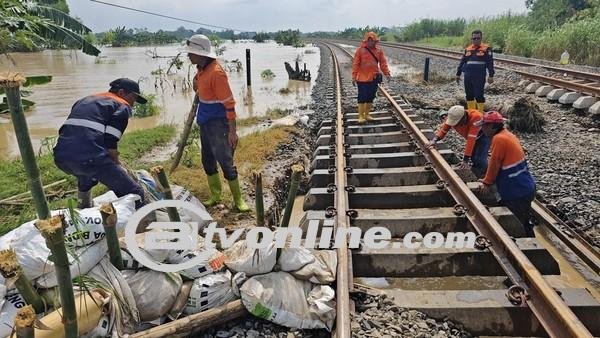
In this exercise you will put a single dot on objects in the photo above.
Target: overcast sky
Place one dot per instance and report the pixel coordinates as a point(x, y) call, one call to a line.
point(273, 15)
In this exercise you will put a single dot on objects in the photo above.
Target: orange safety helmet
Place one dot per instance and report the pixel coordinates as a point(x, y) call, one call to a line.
point(371, 35)
point(491, 117)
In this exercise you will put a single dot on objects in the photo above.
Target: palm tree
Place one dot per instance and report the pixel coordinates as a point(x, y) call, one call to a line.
point(32, 24)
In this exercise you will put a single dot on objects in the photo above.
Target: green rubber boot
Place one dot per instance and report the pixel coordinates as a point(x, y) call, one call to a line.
point(236, 192)
point(214, 183)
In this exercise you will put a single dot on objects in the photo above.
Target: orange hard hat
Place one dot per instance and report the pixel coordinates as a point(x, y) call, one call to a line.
point(371, 35)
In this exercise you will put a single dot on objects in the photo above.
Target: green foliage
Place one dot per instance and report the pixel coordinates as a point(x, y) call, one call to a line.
point(553, 13)
point(581, 39)
point(267, 74)
point(261, 37)
point(33, 25)
point(216, 44)
point(520, 41)
point(495, 29)
point(132, 148)
point(151, 108)
point(289, 38)
point(426, 28)
point(442, 41)
point(121, 37)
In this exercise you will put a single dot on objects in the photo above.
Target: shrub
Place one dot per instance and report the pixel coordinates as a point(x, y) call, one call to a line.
point(580, 38)
point(520, 41)
point(267, 74)
point(495, 29)
point(151, 108)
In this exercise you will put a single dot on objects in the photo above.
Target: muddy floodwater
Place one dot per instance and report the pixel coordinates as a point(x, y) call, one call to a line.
point(76, 75)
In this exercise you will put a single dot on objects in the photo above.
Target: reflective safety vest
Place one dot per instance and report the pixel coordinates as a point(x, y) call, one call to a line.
point(508, 167)
point(215, 99)
point(476, 60)
point(470, 131)
point(365, 67)
point(95, 124)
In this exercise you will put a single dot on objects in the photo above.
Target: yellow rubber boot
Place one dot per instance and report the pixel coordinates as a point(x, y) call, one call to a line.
point(214, 185)
point(480, 106)
point(472, 104)
point(361, 113)
point(368, 107)
point(236, 193)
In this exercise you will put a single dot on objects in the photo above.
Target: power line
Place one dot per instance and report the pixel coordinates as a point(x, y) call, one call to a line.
point(167, 16)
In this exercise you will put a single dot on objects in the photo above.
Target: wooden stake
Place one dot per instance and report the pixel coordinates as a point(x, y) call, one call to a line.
point(53, 231)
point(10, 268)
point(260, 207)
point(163, 186)
point(11, 84)
point(109, 220)
point(187, 127)
point(297, 171)
point(196, 322)
point(24, 322)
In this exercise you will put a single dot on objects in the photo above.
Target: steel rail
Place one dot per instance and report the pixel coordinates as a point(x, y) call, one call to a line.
point(570, 85)
point(570, 72)
point(553, 314)
point(344, 280)
point(572, 239)
point(578, 244)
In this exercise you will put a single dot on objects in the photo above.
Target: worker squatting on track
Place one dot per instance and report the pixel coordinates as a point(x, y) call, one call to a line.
point(368, 60)
point(476, 58)
point(477, 144)
point(216, 118)
point(87, 142)
point(508, 169)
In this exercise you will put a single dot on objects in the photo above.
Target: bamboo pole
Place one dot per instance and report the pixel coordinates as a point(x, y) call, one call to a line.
point(24, 322)
point(109, 221)
point(163, 186)
point(187, 127)
point(297, 170)
point(10, 268)
point(196, 322)
point(260, 207)
point(11, 84)
point(53, 231)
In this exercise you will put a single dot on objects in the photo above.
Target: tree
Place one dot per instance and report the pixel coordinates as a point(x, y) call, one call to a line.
point(29, 25)
point(553, 13)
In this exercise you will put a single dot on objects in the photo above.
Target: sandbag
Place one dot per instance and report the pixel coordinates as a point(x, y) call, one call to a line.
point(89, 307)
point(240, 258)
point(292, 259)
point(282, 299)
point(155, 292)
point(12, 303)
point(122, 309)
point(214, 263)
point(181, 300)
point(102, 330)
point(30, 245)
point(322, 270)
point(208, 292)
point(80, 263)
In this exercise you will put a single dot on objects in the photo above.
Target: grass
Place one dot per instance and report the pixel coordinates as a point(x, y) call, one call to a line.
point(250, 156)
point(14, 179)
point(442, 41)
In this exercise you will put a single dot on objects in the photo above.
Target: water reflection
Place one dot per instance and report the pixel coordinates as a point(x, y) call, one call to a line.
point(76, 75)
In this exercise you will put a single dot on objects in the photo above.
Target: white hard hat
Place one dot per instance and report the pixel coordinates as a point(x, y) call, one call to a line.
point(200, 45)
point(455, 114)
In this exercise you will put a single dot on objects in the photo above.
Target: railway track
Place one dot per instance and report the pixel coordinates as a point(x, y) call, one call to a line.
point(381, 174)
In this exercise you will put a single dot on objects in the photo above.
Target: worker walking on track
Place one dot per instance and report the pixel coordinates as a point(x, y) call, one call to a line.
point(465, 122)
point(508, 169)
point(476, 58)
point(216, 118)
point(87, 141)
point(366, 74)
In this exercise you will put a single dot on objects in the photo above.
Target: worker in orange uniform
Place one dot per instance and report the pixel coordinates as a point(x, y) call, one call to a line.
point(216, 118)
point(476, 58)
point(465, 122)
point(366, 74)
point(508, 170)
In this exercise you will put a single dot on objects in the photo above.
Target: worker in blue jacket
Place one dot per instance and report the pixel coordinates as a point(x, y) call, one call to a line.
point(87, 142)
point(476, 58)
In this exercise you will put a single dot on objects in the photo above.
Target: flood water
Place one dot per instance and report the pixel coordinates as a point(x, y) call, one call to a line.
point(76, 75)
